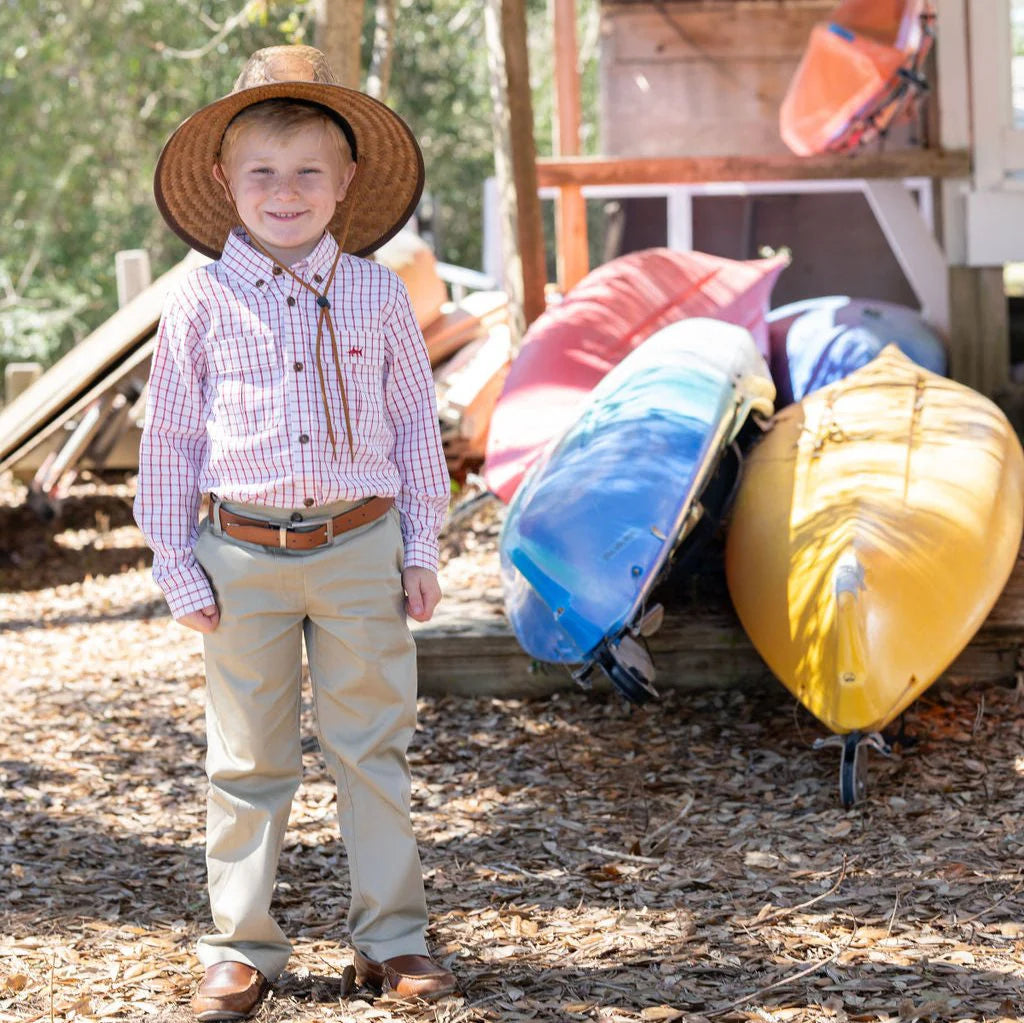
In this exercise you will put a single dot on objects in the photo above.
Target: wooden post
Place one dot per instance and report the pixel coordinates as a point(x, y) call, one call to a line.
point(19, 377)
point(571, 209)
point(133, 274)
point(516, 161)
point(979, 330)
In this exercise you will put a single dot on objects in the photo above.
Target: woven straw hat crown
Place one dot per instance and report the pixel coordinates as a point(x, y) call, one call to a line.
point(383, 196)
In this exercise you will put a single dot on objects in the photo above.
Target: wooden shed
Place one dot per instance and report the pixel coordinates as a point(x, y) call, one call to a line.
point(689, 104)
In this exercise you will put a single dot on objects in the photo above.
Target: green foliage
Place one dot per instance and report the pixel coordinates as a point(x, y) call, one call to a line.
point(89, 93)
point(440, 83)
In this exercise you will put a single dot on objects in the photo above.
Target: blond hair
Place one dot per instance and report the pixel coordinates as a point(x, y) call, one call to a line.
point(282, 119)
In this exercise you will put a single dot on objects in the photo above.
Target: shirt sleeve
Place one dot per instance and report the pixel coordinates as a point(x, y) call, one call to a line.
point(411, 403)
point(171, 457)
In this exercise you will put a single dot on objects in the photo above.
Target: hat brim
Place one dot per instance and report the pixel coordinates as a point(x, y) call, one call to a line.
point(388, 184)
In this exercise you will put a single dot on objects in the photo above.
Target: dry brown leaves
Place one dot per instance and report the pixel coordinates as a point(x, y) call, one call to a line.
point(585, 861)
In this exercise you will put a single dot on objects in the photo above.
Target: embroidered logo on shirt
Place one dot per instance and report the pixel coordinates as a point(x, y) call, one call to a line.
point(355, 352)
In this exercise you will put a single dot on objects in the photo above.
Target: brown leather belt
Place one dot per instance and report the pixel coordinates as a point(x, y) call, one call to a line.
point(295, 536)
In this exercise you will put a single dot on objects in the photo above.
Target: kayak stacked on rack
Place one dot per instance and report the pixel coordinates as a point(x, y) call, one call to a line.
point(819, 340)
point(861, 72)
point(600, 516)
point(876, 524)
point(612, 311)
point(610, 440)
point(871, 523)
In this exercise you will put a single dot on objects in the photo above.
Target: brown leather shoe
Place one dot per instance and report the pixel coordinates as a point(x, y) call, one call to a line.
point(229, 991)
point(404, 976)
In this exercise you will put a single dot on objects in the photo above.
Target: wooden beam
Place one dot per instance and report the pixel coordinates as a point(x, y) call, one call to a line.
point(681, 170)
point(570, 207)
point(950, 106)
point(469, 648)
point(524, 156)
point(516, 161)
point(979, 334)
point(913, 244)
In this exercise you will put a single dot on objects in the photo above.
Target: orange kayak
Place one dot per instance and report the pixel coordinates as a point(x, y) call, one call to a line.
point(861, 71)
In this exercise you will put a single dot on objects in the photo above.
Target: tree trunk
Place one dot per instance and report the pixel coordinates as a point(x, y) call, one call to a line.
point(339, 34)
point(515, 157)
point(379, 79)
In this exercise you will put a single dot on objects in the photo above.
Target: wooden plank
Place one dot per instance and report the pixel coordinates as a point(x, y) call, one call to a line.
point(952, 76)
point(64, 384)
point(979, 333)
point(133, 274)
point(914, 246)
point(573, 260)
point(699, 79)
point(994, 235)
point(49, 431)
point(567, 79)
point(990, 52)
point(571, 237)
point(704, 33)
point(469, 649)
point(680, 170)
point(524, 157)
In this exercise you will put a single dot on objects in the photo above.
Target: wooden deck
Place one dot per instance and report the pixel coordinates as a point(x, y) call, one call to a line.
point(470, 649)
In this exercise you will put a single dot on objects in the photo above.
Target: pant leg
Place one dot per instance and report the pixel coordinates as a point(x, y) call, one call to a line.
point(254, 756)
point(362, 663)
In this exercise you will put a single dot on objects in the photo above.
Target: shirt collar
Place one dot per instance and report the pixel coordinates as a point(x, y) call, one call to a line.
point(248, 263)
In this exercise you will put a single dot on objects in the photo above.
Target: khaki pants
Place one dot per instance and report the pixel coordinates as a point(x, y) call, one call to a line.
point(346, 600)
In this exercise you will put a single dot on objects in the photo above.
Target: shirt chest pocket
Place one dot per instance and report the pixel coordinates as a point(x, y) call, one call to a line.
point(362, 365)
point(246, 382)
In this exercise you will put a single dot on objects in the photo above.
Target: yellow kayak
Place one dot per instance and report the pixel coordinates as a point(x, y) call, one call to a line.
point(876, 525)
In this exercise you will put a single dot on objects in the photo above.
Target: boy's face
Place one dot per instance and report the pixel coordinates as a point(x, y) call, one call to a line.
point(285, 188)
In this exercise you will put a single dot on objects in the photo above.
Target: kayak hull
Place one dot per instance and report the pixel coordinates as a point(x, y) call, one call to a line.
point(875, 527)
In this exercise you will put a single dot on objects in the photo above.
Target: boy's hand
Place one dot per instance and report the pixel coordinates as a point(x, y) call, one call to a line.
point(422, 592)
point(203, 620)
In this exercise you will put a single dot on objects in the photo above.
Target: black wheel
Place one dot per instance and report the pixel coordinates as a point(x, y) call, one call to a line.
point(853, 770)
point(633, 686)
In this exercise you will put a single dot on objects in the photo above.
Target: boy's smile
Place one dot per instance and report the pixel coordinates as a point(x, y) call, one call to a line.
point(285, 188)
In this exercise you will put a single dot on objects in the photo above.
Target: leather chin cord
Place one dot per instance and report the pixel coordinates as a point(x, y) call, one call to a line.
point(323, 315)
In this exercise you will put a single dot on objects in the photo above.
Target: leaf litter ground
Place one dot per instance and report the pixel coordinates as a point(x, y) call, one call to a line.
point(584, 860)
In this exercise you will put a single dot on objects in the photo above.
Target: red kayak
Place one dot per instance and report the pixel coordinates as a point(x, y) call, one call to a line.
point(612, 311)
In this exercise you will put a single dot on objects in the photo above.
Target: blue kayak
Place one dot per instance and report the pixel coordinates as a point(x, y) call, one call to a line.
point(819, 340)
point(599, 518)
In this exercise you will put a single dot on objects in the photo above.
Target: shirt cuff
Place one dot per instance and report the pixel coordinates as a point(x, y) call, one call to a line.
point(187, 590)
point(421, 552)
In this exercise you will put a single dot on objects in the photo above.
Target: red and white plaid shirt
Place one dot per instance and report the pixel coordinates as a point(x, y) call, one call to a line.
point(235, 407)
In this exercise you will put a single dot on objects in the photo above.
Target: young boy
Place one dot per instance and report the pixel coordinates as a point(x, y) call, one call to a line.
point(291, 384)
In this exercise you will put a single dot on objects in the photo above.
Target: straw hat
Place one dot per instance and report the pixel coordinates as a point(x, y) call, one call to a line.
point(382, 198)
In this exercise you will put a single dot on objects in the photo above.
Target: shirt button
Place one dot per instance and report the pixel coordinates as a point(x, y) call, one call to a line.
point(278, 271)
point(259, 284)
point(317, 278)
point(295, 517)
point(308, 502)
point(298, 367)
point(290, 300)
point(303, 438)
